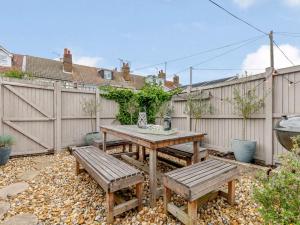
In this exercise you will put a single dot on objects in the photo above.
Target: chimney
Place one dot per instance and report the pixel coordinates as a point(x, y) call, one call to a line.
point(126, 71)
point(67, 61)
point(162, 75)
point(176, 80)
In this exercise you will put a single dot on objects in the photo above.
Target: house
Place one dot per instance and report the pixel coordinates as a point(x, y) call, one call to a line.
point(161, 79)
point(68, 72)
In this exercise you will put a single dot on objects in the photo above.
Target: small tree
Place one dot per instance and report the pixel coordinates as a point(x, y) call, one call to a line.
point(196, 106)
point(245, 104)
point(166, 109)
point(278, 193)
point(132, 108)
point(90, 107)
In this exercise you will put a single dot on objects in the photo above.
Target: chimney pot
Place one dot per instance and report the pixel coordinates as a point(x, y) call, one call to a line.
point(67, 61)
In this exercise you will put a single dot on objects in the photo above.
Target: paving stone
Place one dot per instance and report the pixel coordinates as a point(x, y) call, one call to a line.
point(42, 163)
point(21, 219)
point(13, 189)
point(28, 175)
point(4, 207)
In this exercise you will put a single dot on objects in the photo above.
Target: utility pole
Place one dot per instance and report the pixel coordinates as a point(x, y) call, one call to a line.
point(166, 68)
point(191, 79)
point(271, 49)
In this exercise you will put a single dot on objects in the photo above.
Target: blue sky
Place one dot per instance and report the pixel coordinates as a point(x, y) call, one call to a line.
point(147, 32)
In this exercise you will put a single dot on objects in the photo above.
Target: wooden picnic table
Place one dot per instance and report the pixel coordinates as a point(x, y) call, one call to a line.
point(152, 142)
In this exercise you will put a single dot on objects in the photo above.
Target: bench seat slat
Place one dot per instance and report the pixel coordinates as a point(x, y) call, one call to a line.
point(100, 166)
point(198, 173)
point(190, 168)
point(112, 164)
point(209, 175)
point(106, 164)
point(115, 163)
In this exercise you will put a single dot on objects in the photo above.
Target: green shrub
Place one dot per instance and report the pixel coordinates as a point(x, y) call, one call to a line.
point(279, 193)
point(6, 141)
point(16, 74)
point(149, 98)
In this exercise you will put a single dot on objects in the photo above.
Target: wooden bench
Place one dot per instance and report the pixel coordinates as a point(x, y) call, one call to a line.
point(113, 144)
point(195, 181)
point(112, 175)
point(184, 152)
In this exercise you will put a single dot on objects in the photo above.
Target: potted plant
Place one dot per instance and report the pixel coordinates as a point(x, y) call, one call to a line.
point(166, 109)
point(90, 107)
point(196, 106)
point(132, 108)
point(6, 141)
point(245, 104)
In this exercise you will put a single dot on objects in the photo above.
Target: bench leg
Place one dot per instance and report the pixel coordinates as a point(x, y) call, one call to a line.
point(139, 195)
point(77, 168)
point(231, 192)
point(142, 153)
point(196, 152)
point(130, 147)
point(167, 198)
point(123, 147)
point(192, 212)
point(110, 207)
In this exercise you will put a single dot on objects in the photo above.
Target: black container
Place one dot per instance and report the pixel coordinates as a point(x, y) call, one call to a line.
point(286, 128)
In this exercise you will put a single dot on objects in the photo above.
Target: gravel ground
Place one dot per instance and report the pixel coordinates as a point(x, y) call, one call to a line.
point(57, 196)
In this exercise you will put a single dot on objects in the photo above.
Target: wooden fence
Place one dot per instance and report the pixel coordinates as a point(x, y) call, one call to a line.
point(43, 117)
point(282, 98)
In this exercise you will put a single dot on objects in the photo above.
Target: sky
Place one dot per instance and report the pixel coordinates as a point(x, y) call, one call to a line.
point(147, 32)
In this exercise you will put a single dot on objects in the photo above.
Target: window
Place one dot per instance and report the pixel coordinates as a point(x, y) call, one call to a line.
point(106, 74)
point(5, 60)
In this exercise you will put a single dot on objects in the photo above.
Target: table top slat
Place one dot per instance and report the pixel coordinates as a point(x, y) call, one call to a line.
point(153, 138)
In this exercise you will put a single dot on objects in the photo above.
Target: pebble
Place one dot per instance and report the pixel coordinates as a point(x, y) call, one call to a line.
point(58, 196)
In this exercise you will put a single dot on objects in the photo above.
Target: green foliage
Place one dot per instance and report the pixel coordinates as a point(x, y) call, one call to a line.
point(149, 98)
point(245, 104)
point(166, 109)
point(279, 193)
point(6, 141)
point(196, 106)
point(16, 74)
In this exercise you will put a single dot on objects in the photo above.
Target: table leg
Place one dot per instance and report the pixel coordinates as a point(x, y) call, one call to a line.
point(152, 176)
point(104, 141)
point(196, 152)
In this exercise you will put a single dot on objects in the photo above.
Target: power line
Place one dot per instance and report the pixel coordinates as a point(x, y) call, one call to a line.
point(196, 54)
point(238, 18)
point(283, 53)
point(230, 69)
point(219, 55)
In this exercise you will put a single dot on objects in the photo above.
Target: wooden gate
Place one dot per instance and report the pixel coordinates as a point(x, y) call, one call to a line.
point(28, 115)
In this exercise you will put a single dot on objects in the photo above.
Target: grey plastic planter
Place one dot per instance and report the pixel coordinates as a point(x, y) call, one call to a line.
point(243, 150)
point(90, 137)
point(4, 155)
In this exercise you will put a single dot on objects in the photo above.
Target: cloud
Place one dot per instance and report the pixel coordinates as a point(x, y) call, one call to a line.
point(88, 61)
point(292, 3)
point(246, 3)
point(260, 59)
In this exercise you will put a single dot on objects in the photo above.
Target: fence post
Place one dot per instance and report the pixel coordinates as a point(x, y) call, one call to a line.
point(269, 151)
point(97, 110)
point(1, 107)
point(57, 112)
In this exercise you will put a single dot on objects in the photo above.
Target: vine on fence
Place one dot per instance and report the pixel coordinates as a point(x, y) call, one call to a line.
point(131, 102)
